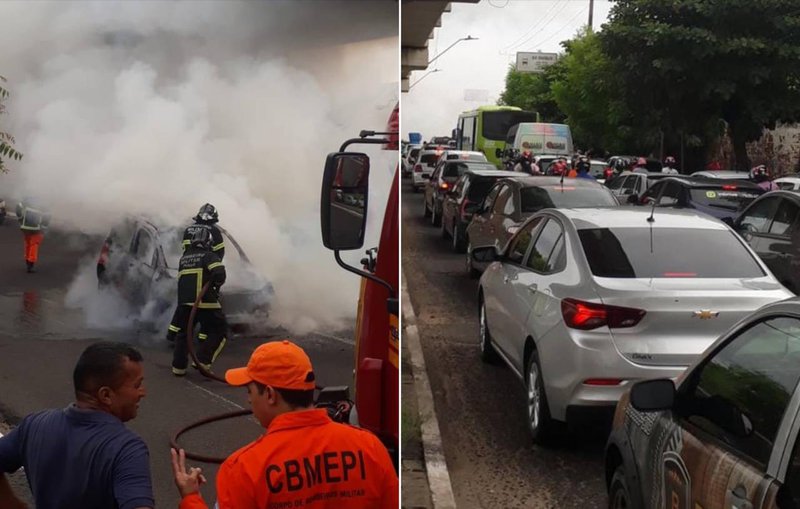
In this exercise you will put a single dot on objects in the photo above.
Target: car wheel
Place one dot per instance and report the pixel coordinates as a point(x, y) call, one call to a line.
point(443, 224)
point(488, 353)
point(540, 424)
point(458, 242)
point(425, 210)
point(471, 270)
point(619, 496)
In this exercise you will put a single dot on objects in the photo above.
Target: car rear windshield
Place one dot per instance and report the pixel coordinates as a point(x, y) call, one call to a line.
point(414, 152)
point(538, 198)
point(667, 253)
point(497, 123)
point(730, 199)
point(479, 188)
point(429, 159)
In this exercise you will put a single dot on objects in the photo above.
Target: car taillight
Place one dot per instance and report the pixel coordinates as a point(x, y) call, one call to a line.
point(464, 207)
point(103, 254)
point(444, 186)
point(417, 168)
point(590, 315)
point(729, 187)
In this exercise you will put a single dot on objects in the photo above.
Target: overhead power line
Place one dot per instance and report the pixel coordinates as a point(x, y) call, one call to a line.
point(560, 30)
point(533, 27)
point(550, 21)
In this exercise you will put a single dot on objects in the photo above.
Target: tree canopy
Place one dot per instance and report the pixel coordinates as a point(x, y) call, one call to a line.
point(7, 150)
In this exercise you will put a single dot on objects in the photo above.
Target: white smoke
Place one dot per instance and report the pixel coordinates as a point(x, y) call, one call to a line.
point(158, 107)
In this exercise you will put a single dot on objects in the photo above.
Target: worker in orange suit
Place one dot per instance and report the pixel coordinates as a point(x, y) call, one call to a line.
point(33, 222)
point(304, 459)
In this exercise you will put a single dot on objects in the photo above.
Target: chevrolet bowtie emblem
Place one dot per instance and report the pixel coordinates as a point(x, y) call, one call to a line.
point(705, 314)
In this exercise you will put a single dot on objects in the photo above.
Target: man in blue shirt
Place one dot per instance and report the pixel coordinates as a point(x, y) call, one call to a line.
point(83, 456)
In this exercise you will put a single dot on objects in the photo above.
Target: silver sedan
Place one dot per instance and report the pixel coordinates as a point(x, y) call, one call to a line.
point(583, 302)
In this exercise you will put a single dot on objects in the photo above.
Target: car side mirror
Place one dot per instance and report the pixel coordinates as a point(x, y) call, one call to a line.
point(653, 395)
point(343, 204)
point(485, 254)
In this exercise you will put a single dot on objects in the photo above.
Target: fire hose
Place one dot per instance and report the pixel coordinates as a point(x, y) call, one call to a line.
point(338, 409)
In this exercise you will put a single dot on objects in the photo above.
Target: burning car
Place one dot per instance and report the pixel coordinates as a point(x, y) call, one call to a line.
point(140, 260)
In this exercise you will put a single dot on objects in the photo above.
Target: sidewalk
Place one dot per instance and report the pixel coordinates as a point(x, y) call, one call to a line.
point(425, 479)
point(416, 491)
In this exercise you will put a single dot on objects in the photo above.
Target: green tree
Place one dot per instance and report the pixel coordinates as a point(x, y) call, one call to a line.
point(7, 150)
point(684, 64)
point(533, 92)
point(588, 92)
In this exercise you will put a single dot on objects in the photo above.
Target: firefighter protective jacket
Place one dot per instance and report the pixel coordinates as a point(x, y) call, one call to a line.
point(306, 460)
point(217, 242)
point(31, 219)
point(198, 267)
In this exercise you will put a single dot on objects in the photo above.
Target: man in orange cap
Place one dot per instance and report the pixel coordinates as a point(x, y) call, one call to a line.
point(304, 459)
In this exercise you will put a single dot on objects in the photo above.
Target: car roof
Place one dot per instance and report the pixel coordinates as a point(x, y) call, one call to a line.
point(722, 174)
point(648, 174)
point(787, 179)
point(531, 181)
point(631, 217)
point(492, 173)
point(702, 182)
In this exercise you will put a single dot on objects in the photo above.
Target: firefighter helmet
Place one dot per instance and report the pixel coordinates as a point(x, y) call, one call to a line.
point(201, 238)
point(207, 214)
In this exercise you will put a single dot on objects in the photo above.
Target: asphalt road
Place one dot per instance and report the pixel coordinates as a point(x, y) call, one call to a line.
point(480, 407)
point(41, 338)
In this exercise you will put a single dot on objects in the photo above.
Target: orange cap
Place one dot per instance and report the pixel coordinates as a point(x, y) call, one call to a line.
point(280, 364)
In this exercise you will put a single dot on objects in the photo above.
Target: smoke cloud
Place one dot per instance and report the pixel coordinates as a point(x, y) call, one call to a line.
point(156, 108)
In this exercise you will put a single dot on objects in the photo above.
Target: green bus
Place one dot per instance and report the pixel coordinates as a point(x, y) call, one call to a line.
point(485, 128)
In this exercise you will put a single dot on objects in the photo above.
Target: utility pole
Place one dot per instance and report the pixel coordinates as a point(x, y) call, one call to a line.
point(591, 13)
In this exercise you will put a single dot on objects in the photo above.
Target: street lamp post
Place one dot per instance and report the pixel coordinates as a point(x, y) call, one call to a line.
point(423, 77)
point(467, 38)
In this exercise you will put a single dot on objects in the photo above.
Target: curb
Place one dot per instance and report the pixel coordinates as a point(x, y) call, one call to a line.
point(435, 465)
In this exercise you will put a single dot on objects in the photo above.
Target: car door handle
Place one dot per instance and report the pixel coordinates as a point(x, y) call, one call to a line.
point(739, 498)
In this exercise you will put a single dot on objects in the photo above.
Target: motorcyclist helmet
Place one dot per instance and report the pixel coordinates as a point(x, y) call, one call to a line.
point(670, 161)
point(759, 173)
point(207, 214)
point(201, 238)
point(642, 162)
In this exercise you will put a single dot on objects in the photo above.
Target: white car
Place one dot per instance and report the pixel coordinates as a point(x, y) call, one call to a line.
point(423, 167)
point(463, 155)
point(788, 183)
point(582, 303)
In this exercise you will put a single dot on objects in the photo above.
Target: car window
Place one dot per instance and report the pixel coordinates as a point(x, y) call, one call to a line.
point(510, 208)
point(489, 201)
point(730, 197)
point(785, 217)
point(642, 252)
point(785, 185)
point(454, 170)
point(478, 188)
point(653, 191)
point(760, 214)
point(615, 183)
point(144, 246)
point(545, 257)
point(500, 201)
point(520, 242)
point(536, 198)
point(630, 184)
point(740, 394)
point(458, 189)
point(671, 194)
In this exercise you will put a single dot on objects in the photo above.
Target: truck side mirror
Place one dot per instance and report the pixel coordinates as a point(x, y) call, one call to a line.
point(343, 203)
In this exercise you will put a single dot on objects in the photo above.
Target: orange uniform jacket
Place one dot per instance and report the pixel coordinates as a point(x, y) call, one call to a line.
point(306, 460)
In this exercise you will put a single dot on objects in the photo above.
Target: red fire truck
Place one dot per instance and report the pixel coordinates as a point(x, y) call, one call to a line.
point(343, 210)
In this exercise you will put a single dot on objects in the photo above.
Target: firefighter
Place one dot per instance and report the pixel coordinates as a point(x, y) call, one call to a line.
point(33, 222)
point(304, 459)
point(198, 266)
point(206, 218)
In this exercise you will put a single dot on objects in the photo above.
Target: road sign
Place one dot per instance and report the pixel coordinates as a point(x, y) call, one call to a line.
point(534, 62)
